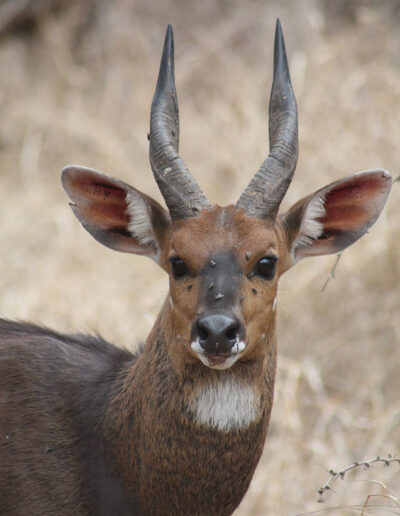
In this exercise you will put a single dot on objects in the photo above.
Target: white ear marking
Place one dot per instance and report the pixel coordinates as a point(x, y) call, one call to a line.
point(140, 220)
point(274, 305)
point(310, 228)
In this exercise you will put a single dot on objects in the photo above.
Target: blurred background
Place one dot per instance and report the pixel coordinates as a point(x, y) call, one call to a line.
point(76, 84)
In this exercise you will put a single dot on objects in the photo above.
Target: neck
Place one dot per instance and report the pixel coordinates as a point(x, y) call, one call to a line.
point(176, 424)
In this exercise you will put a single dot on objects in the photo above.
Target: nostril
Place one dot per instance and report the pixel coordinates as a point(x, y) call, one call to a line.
point(202, 333)
point(231, 334)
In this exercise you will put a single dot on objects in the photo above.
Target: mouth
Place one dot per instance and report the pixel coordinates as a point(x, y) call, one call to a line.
point(218, 360)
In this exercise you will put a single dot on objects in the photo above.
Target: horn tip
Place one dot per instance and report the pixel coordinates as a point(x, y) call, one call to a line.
point(281, 67)
point(169, 32)
point(279, 41)
point(166, 73)
point(279, 45)
point(169, 40)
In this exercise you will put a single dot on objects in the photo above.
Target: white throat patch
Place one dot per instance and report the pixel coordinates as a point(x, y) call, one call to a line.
point(225, 404)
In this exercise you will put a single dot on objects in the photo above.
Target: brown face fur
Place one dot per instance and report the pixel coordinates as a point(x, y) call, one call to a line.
point(226, 232)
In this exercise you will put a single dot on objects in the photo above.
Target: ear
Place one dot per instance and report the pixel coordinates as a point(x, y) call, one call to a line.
point(337, 215)
point(114, 213)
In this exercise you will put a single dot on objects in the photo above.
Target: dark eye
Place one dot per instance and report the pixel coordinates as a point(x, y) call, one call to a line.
point(266, 267)
point(179, 267)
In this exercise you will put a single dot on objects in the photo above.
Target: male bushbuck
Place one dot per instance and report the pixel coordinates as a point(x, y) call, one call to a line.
point(87, 428)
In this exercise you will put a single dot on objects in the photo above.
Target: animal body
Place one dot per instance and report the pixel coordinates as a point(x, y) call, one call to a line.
point(87, 428)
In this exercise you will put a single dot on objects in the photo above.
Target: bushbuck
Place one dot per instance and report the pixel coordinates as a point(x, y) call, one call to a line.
point(87, 428)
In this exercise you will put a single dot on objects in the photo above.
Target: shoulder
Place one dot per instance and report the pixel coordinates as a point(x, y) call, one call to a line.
point(28, 339)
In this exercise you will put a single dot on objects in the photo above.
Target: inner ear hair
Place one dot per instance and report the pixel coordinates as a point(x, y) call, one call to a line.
point(310, 228)
point(148, 220)
point(140, 216)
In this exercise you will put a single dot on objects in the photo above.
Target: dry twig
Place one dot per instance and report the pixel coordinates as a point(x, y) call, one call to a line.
point(335, 475)
point(332, 273)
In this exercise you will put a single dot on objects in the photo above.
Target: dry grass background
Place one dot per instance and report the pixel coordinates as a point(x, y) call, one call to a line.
point(78, 89)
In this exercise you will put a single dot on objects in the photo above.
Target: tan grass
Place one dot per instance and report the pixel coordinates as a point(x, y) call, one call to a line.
point(79, 90)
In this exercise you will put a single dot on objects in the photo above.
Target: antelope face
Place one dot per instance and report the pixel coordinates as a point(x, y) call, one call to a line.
point(223, 279)
point(224, 263)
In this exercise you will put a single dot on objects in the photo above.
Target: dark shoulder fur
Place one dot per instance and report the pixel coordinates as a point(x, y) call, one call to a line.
point(55, 389)
point(95, 343)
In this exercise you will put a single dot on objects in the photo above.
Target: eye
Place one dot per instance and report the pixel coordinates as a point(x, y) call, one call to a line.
point(179, 267)
point(266, 267)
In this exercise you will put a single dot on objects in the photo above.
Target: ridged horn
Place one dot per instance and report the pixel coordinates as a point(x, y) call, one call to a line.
point(181, 192)
point(266, 190)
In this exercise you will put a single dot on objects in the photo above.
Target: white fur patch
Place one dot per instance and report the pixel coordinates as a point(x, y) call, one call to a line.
point(310, 228)
point(236, 351)
point(225, 404)
point(140, 219)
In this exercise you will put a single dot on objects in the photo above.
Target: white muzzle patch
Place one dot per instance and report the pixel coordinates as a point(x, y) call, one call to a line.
point(236, 351)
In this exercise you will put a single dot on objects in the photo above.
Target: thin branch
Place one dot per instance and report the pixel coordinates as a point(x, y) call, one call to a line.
point(332, 273)
point(335, 475)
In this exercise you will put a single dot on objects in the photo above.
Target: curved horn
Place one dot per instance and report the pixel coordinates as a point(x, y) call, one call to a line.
point(266, 190)
point(182, 194)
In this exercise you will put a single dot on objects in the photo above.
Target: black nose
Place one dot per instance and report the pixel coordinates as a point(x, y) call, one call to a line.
point(217, 333)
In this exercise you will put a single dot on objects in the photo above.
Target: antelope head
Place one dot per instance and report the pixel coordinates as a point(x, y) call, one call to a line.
point(224, 263)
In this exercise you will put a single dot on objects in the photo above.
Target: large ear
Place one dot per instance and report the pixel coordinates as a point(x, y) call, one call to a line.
point(114, 213)
point(337, 215)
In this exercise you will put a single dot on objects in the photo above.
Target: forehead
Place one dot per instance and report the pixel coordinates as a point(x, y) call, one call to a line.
point(218, 230)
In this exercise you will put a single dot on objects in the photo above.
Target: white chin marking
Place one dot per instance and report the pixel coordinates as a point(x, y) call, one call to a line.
point(224, 365)
point(225, 404)
point(237, 349)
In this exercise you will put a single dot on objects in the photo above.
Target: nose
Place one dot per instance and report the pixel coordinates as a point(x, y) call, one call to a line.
point(217, 333)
